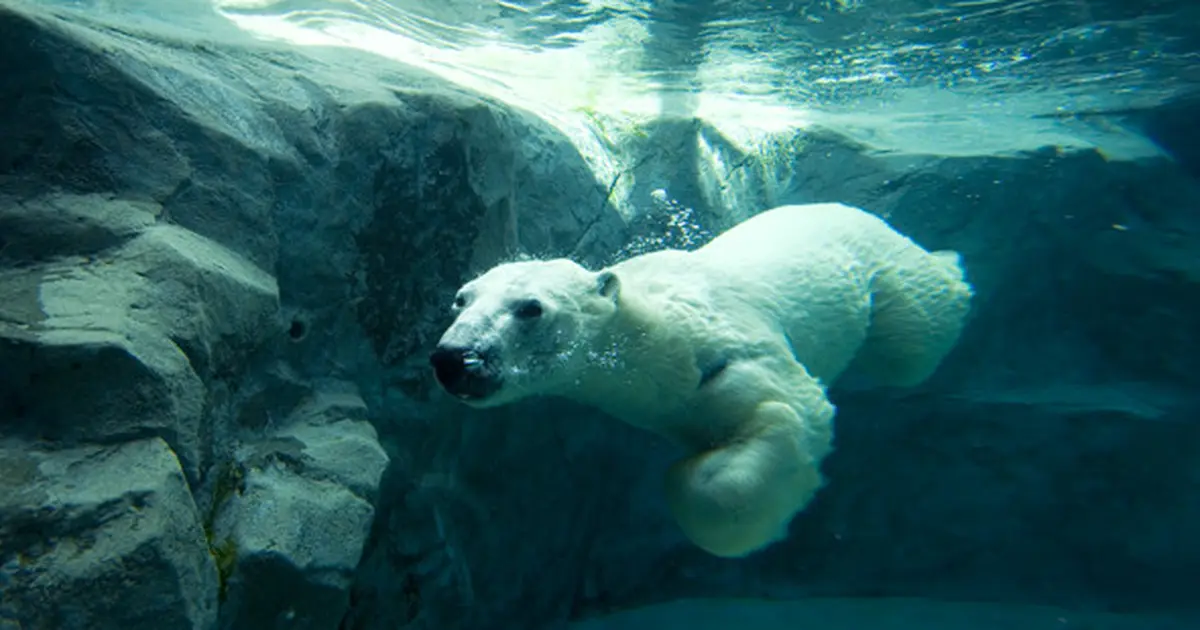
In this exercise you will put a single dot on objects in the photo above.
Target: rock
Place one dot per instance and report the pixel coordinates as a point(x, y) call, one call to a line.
point(293, 514)
point(101, 537)
point(445, 553)
point(89, 126)
point(367, 194)
point(297, 543)
point(215, 305)
point(346, 453)
point(131, 330)
point(59, 224)
point(1169, 126)
point(124, 376)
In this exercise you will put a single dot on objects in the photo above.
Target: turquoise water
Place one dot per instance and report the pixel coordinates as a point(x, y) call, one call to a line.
point(894, 58)
point(872, 614)
point(950, 78)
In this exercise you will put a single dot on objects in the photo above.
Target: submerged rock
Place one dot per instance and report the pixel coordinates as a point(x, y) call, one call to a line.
point(80, 225)
point(243, 250)
point(292, 513)
point(101, 537)
point(131, 330)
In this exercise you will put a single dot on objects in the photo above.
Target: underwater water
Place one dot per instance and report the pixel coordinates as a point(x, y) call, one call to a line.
point(235, 340)
point(930, 76)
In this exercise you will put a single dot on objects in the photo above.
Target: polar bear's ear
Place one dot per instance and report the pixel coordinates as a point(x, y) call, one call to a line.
point(608, 285)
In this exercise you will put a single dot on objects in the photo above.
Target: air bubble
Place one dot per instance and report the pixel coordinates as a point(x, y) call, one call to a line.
point(670, 226)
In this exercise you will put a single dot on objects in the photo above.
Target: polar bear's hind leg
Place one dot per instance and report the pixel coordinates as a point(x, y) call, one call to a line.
point(920, 301)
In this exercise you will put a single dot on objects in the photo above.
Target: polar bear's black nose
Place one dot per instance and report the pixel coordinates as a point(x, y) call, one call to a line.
point(461, 372)
point(449, 365)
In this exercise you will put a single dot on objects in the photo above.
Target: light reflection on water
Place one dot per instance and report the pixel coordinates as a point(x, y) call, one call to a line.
point(829, 52)
point(882, 69)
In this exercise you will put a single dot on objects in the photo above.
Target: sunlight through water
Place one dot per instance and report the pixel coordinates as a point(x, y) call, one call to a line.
point(940, 77)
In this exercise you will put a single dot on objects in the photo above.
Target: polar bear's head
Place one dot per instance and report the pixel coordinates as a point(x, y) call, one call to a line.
point(523, 329)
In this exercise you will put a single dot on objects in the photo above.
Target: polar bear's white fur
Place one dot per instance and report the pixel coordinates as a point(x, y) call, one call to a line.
point(725, 350)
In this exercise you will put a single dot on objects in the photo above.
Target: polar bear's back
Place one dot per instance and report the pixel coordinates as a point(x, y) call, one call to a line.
point(844, 286)
point(798, 233)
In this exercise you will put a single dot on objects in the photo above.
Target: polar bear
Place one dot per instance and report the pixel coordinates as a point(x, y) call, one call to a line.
point(725, 350)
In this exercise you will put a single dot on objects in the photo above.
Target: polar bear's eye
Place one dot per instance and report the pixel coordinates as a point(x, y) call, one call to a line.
point(460, 301)
point(528, 309)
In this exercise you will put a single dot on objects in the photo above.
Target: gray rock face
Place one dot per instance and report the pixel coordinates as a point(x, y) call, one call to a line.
point(293, 511)
point(207, 246)
point(101, 537)
point(153, 314)
point(222, 265)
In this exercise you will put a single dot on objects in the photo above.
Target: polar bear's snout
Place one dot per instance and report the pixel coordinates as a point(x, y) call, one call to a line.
point(464, 372)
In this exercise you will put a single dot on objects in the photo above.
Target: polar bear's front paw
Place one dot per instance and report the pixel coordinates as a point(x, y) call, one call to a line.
point(738, 498)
